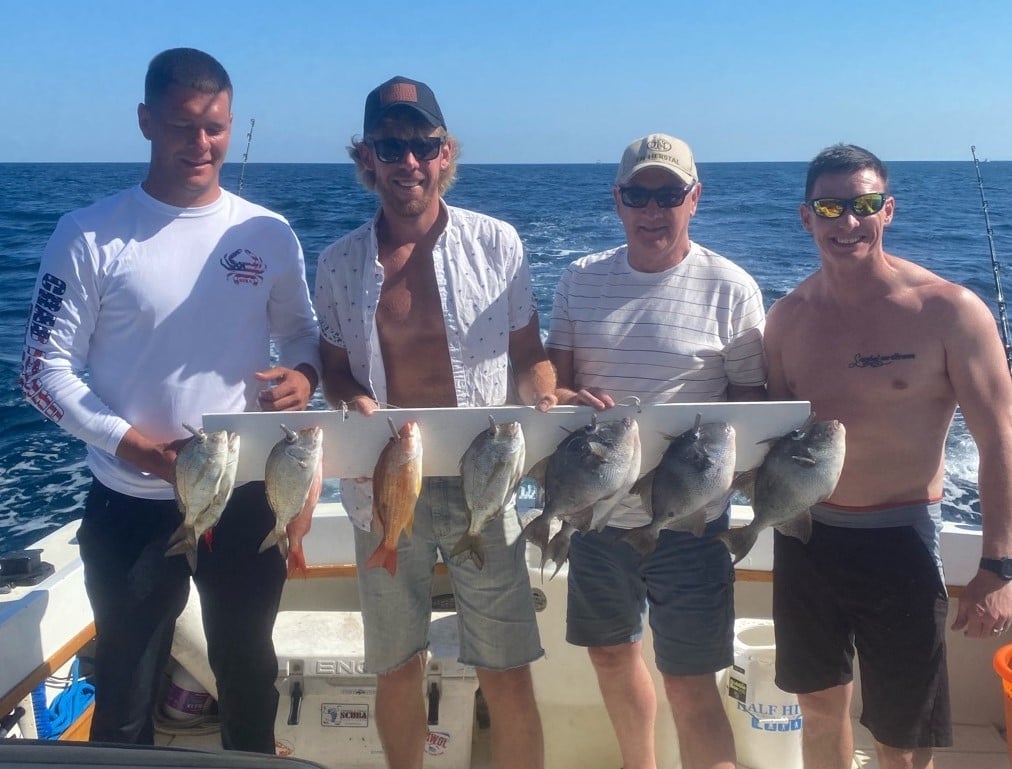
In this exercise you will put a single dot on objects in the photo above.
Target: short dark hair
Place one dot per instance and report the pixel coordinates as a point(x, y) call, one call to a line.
point(843, 158)
point(186, 67)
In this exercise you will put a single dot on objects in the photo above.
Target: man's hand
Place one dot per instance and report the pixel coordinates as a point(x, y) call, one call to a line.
point(985, 607)
point(291, 389)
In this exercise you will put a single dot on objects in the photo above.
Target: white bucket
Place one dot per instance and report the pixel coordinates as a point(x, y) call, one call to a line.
point(765, 720)
point(186, 698)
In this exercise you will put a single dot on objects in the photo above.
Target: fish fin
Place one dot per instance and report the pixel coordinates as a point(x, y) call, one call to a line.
point(643, 484)
point(697, 522)
point(537, 531)
point(539, 472)
point(383, 556)
point(180, 535)
point(799, 527)
point(580, 520)
point(642, 539)
point(744, 482)
point(739, 541)
point(283, 545)
point(470, 546)
point(184, 541)
point(558, 547)
point(269, 541)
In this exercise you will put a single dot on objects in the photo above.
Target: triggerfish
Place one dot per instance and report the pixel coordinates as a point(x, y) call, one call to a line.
point(801, 469)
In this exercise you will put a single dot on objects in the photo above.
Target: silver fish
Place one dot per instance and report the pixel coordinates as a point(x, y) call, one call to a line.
point(490, 472)
point(696, 469)
point(205, 474)
point(293, 477)
point(584, 479)
point(801, 469)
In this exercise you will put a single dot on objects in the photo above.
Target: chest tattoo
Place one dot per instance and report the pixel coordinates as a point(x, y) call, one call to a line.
point(875, 361)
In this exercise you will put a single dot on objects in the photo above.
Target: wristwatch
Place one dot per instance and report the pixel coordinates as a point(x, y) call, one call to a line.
point(1000, 566)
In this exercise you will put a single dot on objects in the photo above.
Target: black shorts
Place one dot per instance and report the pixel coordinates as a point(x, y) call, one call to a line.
point(878, 590)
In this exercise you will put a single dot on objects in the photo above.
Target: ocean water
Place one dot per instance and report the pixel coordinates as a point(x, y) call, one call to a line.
point(748, 212)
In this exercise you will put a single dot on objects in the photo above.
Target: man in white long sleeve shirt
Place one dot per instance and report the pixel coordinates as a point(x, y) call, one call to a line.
point(155, 306)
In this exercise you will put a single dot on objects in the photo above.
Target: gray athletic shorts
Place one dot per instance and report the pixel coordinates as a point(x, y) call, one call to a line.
point(878, 589)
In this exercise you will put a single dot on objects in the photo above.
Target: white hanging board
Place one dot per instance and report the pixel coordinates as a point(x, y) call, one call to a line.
point(352, 443)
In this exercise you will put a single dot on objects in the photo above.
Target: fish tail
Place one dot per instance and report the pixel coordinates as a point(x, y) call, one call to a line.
point(558, 550)
point(269, 541)
point(739, 541)
point(184, 540)
point(471, 547)
point(537, 532)
point(283, 545)
point(643, 539)
point(383, 556)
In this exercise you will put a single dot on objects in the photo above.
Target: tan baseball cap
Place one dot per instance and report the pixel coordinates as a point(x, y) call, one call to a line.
point(657, 151)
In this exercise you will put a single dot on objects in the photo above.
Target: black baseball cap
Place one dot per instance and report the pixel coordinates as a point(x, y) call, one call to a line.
point(401, 92)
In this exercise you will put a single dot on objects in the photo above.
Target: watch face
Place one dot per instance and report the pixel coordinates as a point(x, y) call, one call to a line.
point(1005, 568)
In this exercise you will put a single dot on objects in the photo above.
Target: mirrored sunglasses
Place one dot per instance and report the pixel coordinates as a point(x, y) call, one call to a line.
point(863, 205)
point(394, 150)
point(666, 197)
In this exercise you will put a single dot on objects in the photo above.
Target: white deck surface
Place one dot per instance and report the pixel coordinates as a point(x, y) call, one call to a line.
point(977, 747)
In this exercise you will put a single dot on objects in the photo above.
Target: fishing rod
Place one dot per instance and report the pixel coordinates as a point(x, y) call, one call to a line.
point(245, 155)
point(995, 266)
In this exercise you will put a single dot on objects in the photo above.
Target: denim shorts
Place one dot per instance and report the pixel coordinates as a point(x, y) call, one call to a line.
point(687, 583)
point(495, 609)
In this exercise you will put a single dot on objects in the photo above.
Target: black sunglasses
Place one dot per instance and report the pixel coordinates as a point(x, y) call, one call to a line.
point(863, 205)
point(394, 150)
point(666, 197)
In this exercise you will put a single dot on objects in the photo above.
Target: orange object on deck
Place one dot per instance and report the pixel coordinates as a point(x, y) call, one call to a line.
point(1003, 667)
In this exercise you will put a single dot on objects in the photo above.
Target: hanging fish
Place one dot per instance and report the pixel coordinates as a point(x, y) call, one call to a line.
point(396, 486)
point(490, 472)
point(205, 474)
point(293, 477)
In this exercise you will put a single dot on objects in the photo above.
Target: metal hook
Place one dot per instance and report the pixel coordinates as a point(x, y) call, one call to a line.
point(393, 430)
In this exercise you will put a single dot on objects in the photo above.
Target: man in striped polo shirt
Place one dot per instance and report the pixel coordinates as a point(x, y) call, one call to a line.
point(666, 320)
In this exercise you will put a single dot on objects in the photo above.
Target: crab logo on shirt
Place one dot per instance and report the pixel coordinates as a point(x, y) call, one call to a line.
point(244, 267)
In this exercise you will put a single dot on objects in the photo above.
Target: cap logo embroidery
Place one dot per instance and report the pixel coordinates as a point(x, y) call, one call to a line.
point(659, 145)
point(399, 92)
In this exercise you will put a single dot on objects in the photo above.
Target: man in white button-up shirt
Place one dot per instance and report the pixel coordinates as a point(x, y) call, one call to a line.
point(431, 306)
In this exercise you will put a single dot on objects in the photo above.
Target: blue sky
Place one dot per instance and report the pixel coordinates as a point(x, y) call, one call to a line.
point(525, 81)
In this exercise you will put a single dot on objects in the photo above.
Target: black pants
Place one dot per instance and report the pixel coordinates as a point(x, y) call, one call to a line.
point(137, 593)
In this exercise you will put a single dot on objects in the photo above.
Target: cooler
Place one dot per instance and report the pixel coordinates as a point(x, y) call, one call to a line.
point(326, 710)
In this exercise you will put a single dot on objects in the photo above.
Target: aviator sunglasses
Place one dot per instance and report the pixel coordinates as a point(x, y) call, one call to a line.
point(394, 150)
point(863, 205)
point(666, 197)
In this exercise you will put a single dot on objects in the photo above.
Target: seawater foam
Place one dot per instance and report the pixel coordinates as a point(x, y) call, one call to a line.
point(766, 721)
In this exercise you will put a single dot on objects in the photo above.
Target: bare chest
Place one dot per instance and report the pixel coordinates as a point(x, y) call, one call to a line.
point(864, 360)
point(409, 296)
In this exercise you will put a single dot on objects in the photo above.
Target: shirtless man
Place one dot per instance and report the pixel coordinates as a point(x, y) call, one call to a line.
point(431, 306)
point(890, 349)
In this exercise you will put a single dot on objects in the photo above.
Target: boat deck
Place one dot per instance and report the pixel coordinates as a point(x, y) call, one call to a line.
point(977, 747)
